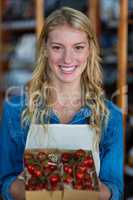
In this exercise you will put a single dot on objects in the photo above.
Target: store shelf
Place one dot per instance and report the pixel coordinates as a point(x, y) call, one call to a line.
point(18, 25)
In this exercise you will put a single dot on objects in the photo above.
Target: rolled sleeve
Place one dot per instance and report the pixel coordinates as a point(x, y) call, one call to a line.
point(6, 189)
point(115, 194)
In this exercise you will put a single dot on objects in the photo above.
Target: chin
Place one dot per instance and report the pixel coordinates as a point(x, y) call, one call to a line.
point(69, 80)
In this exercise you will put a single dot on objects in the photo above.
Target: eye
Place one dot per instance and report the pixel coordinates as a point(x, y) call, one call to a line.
point(79, 47)
point(56, 47)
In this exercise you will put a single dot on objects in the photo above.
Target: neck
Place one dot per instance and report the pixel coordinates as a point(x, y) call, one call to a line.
point(66, 93)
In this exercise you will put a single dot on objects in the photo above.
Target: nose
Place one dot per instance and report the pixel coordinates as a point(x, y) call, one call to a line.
point(68, 56)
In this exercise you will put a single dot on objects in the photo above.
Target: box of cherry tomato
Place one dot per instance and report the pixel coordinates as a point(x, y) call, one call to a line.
point(60, 175)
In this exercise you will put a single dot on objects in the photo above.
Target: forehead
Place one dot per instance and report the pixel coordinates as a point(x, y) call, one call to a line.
point(67, 33)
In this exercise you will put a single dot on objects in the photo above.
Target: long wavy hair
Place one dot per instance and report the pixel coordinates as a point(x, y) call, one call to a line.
point(40, 89)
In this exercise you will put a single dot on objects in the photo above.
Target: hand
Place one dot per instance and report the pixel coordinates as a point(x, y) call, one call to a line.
point(17, 190)
point(105, 194)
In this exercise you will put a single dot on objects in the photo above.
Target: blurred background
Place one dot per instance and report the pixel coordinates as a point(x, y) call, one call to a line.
point(20, 25)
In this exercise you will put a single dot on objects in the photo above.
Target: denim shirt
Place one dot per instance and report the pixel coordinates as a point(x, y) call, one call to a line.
point(13, 139)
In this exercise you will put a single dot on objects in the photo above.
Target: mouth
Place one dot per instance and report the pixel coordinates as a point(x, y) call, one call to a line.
point(68, 69)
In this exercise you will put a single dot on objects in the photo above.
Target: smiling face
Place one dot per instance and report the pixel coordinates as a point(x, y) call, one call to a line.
point(67, 50)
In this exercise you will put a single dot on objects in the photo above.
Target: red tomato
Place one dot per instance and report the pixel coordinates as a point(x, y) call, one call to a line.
point(49, 168)
point(40, 186)
point(53, 187)
point(88, 162)
point(68, 179)
point(31, 183)
point(80, 153)
point(82, 168)
point(37, 172)
point(30, 187)
point(68, 169)
point(30, 169)
point(54, 179)
point(88, 177)
point(80, 176)
point(89, 185)
point(77, 186)
point(66, 157)
point(47, 171)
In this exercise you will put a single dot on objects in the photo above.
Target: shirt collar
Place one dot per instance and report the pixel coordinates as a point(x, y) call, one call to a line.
point(83, 113)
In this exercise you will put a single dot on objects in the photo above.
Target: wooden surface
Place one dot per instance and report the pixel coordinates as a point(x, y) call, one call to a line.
point(67, 195)
point(122, 53)
point(39, 16)
point(94, 15)
point(122, 60)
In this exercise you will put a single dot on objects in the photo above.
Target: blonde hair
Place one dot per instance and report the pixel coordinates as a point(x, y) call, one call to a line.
point(39, 87)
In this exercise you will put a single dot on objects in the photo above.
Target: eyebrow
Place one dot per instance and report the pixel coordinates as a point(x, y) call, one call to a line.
point(74, 44)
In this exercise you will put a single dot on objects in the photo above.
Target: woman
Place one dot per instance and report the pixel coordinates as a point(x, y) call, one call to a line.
point(66, 88)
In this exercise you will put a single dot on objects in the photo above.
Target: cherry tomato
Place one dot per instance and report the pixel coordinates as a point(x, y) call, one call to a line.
point(54, 179)
point(49, 168)
point(82, 168)
point(30, 169)
point(68, 169)
point(77, 186)
point(89, 185)
point(37, 172)
point(88, 177)
point(80, 153)
point(30, 187)
point(40, 186)
point(53, 187)
point(88, 162)
point(32, 181)
point(80, 176)
point(66, 157)
point(68, 179)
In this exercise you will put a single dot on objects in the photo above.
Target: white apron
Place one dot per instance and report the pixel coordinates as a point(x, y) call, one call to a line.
point(64, 136)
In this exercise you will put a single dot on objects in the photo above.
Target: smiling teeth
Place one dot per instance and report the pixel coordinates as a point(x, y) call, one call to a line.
point(68, 69)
